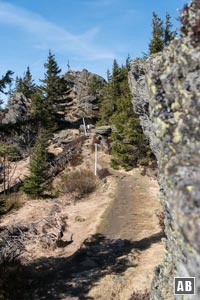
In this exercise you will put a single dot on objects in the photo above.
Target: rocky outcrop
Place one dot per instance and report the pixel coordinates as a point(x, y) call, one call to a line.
point(83, 97)
point(166, 96)
point(18, 109)
point(103, 130)
point(81, 100)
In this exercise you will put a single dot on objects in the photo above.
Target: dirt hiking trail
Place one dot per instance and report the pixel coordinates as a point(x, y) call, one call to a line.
point(133, 218)
point(116, 244)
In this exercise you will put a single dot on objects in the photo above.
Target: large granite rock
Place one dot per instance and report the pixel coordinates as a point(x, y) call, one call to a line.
point(103, 130)
point(18, 109)
point(166, 95)
point(83, 97)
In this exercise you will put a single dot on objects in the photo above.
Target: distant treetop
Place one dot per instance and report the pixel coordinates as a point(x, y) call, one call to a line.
point(162, 33)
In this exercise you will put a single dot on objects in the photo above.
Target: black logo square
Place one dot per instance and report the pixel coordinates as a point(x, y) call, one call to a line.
point(184, 286)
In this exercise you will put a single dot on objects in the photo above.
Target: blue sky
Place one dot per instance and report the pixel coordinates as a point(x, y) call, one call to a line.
point(88, 33)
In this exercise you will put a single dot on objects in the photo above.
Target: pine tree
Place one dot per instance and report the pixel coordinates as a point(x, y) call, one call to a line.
point(106, 101)
point(130, 146)
point(109, 77)
point(110, 94)
point(162, 33)
point(38, 108)
point(36, 184)
point(156, 43)
point(115, 80)
point(94, 85)
point(107, 105)
point(25, 85)
point(29, 85)
point(128, 63)
point(169, 34)
point(19, 88)
point(6, 79)
point(53, 87)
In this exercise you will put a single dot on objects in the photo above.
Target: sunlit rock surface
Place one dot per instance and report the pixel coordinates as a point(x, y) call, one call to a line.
point(166, 95)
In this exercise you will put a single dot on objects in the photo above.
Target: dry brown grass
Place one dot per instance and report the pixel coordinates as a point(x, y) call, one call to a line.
point(76, 160)
point(103, 173)
point(10, 202)
point(137, 295)
point(80, 183)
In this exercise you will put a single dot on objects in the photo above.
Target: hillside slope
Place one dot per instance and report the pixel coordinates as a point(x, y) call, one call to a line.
point(110, 246)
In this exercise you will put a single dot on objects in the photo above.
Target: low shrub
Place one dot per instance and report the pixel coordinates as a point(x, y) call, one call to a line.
point(76, 160)
point(10, 202)
point(50, 156)
point(103, 173)
point(81, 183)
point(137, 295)
point(114, 164)
point(144, 161)
point(11, 153)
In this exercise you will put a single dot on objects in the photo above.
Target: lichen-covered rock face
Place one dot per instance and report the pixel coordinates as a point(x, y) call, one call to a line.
point(137, 83)
point(166, 95)
point(190, 22)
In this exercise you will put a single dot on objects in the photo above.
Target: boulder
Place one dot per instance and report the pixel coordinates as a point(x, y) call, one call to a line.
point(18, 109)
point(102, 130)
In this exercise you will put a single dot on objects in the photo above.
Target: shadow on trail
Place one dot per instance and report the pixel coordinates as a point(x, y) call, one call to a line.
point(70, 278)
point(145, 243)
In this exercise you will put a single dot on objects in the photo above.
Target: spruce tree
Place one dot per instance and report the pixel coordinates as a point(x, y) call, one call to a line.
point(156, 43)
point(19, 85)
point(52, 89)
point(130, 146)
point(106, 101)
point(107, 105)
point(169, 34)
point(115, 80)
point(29, 85)
point(110, 94)
point(93, 85)
point(6, 79)
point(109, 77)
point(128, 63)
point(162, 33)
point(36, 184)
point(52, 83)
point(25, 85)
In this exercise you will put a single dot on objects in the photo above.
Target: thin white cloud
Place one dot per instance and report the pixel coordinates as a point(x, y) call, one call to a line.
point(50, 35)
